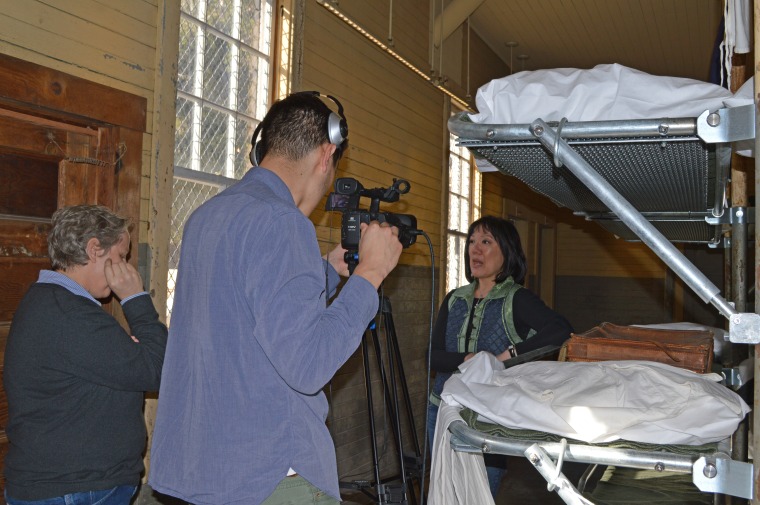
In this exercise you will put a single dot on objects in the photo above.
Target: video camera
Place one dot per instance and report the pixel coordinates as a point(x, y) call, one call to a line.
point(345, 198)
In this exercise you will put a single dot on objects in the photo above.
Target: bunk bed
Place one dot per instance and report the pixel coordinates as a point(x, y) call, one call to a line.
point(647, 158)
point(661, 180)
point(632, 414)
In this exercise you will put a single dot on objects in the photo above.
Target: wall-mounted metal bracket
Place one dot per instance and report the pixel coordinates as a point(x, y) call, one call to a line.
point(727, 125)
point(724, 476)
point(738, 376)
point(744, 328)
point(738, 215)
point(725, 243)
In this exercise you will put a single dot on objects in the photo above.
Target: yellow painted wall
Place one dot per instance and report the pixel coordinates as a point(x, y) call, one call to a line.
point(589, 250)
point(394, 120)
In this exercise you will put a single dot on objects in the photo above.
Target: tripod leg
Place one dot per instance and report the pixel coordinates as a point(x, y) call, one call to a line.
point(392, 408)
point(392, 358)
point(368, 387)
point(395, 353)
point(391, 336)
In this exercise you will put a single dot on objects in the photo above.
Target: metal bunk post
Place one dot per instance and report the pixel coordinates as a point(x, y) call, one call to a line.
point(743, 327)
point(715, 473)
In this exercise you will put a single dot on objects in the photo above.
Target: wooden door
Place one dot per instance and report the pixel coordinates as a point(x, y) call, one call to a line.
point(63, 141)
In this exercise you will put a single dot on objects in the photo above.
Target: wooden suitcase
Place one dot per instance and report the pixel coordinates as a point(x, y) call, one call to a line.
point(689, 349)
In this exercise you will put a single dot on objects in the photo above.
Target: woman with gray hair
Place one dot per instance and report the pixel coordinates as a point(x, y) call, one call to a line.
point(74, 377)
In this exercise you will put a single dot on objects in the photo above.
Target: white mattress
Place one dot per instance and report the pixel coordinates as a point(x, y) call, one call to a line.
point(639, 401)
point(605, 92)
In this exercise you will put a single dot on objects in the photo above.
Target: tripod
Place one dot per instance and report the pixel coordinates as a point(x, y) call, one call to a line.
point(409, 464)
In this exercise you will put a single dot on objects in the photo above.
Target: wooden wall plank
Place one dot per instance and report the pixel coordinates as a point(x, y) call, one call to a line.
point(394, 122)
point(594, 252)
point(46, 88)
point(128, 176)
point(21, 177)
point(135, 19)
point(411, 22)
point(119, 50)
point(16, 275)
point(24, 239)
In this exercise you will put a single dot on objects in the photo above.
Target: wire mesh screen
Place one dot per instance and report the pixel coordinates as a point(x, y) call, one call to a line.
point(677, 176)
point(668, 176)
point(222, 93)
point(186, 197)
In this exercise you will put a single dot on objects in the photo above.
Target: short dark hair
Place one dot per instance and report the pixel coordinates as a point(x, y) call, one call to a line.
point(294, 126)
point(506, 235)
point(74, 226)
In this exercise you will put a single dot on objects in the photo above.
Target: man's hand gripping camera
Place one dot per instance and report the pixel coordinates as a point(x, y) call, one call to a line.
point(345, 198)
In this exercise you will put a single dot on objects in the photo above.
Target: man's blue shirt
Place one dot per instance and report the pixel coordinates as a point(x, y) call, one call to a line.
point(251, 345)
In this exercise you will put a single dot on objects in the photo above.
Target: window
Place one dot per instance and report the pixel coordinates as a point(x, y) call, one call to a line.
point(464, 208)
point(223, 92)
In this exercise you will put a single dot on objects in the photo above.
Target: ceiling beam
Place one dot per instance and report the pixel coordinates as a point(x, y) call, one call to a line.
point(452, 17)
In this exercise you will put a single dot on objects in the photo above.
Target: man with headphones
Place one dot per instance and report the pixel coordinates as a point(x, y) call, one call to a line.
point(252, 342)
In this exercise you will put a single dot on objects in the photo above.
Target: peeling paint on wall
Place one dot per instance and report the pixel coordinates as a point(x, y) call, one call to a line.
point(134, 66)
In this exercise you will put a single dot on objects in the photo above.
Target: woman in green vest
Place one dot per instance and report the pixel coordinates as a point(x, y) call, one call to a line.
point(493, 313)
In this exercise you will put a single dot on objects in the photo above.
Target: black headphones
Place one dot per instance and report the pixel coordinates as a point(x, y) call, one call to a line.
point(337, 128)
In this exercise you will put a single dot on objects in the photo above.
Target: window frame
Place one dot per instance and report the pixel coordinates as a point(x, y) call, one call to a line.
point(461, 165)
point(231, 141)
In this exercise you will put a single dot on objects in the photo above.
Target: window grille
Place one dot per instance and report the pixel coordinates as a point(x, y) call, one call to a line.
point(223, 92)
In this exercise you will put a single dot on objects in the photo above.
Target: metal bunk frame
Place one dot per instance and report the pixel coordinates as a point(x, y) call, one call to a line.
point(719, 128)
point(714, 473)
point(713, 130)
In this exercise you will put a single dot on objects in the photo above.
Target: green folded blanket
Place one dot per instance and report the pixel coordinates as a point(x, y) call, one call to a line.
point(618, 485)
point(629, 486)
point(471, 418)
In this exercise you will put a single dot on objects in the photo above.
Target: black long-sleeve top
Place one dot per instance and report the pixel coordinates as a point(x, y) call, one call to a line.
point(75, 379)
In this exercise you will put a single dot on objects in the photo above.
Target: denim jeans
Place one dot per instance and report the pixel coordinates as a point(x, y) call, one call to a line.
point(496, 465)
point(119, 495)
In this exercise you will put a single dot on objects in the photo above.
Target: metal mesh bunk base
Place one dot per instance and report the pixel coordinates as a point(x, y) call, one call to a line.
point(674, 181)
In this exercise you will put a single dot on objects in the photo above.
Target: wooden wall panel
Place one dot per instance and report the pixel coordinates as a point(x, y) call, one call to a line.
point(20, 177)
point(111, 44)
point(53, 90)
point(104, 42)
point(394, 121)
point(16, 275)
point(484, 65)
point(410, 25)
point(396, 124)
point(24, 239)
point(594, 252)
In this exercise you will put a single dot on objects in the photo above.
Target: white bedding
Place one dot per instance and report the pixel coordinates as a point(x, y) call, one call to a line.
point(639, 401)
point(605, 92)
